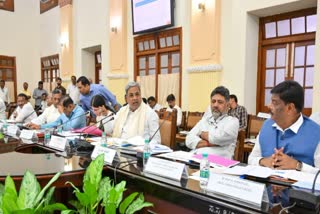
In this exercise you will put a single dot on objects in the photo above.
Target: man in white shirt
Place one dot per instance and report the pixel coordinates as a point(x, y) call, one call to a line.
point(216, 133)
point(2, 110)
point(135, 119)
point(4, 93)
point(172, 105)
point(153, 103)
point(24, 112)
point(288, 140)
point(50, 114)
point(73, 90)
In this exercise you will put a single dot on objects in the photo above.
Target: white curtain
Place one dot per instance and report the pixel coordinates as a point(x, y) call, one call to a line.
point(168, 84)
point(148, 85)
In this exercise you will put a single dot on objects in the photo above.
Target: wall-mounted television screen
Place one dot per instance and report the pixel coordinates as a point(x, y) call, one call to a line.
point(151, 15)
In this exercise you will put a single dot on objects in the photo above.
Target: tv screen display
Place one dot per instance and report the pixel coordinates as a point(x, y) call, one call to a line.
point(151, 15)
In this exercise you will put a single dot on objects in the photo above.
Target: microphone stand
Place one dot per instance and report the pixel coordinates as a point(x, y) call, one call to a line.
point(95, 124)
point(69, 120)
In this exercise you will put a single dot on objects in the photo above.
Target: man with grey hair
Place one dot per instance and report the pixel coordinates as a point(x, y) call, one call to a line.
point(216, 133)
point(135, 119)
point(50, 114)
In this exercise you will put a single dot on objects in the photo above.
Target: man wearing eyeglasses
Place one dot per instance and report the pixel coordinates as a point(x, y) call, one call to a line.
point(217, 132)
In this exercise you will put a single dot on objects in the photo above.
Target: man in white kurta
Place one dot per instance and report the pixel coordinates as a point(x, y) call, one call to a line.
point(50, 114)
point(217, 132)
point(135, 119)
point(24, 113)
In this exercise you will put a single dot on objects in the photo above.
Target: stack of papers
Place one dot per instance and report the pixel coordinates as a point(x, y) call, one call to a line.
point(216, 161)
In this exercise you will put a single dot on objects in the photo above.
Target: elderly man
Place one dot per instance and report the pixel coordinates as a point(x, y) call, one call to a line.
point(288, 140)
point(136, 118)
point(217, 133)
point(73, 116)
point(50, 114)
point(24, 112)
point(88, 90)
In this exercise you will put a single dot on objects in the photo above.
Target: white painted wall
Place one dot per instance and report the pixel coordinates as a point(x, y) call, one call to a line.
point(91, 28)
point(21, 39)
point(239, 44)
point(50, 32)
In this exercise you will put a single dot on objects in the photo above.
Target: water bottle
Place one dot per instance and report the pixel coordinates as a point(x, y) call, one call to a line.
point(204, 171)
point(47, 136)
point(5, 127)
point(146, 152)
point(103, 142)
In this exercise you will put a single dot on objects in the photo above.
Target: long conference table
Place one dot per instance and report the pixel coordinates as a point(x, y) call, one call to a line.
point(167, 196)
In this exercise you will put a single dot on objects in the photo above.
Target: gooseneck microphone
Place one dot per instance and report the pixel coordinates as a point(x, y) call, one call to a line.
point(35, 110)
point(88, 127)
point(158, 129)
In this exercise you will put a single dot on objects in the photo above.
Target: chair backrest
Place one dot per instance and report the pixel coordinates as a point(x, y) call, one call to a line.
point(183, 121)
point(168, 123)
point(239, 150)
point(192, 119)
point(254, 125)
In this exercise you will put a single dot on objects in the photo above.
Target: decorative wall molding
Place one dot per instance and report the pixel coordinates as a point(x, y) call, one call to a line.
point(118, 76)
point(204, 68)
point(63, 3)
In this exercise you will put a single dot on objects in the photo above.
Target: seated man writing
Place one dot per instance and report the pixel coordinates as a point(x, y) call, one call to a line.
point(24, 112)
point(288, 140)
point(73, 116)
point(217, 132)
point(50, 114)
point(135, 119)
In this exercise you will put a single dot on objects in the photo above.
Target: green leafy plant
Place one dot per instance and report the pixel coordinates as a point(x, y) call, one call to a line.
point(98, 191)
point(30, 198)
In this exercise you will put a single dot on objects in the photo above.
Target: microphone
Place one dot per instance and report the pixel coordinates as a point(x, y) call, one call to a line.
point(86, 128)
point(82, 146)
point(69, 120)
point(36, 109)
point(158, 129)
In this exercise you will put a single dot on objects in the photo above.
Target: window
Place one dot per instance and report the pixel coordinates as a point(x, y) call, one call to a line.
point(46, 5)
point(50, 71)
point(8, 73)
point(156, 55)
point(287, 52)
point(7, 5)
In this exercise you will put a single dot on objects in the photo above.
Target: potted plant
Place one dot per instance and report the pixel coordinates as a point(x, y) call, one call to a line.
point(98, 191)
point(30, 198)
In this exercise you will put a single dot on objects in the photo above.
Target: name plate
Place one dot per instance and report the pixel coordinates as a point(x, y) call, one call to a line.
point(237, 188)
point(58, 142)
point(165, 168)
point(27, 134)
point(109, 154)
point(12, 130)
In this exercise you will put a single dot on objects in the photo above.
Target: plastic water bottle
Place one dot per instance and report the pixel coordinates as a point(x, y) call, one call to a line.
point(103, 140)
point(204, 171)
point(146, 152)
point(47, 136)
point(5, 127)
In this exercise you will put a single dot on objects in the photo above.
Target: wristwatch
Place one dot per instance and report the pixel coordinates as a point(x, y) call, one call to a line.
point(299, 166)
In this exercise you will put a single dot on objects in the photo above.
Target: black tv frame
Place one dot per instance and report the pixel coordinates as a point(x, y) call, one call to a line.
point(172, 5)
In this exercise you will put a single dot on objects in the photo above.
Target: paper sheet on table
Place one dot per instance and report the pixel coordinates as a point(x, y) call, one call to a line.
point(178, 155)
point(69, 134)
point(256, 171)
point(250, 140)
point(196, 175)
point(307, 185)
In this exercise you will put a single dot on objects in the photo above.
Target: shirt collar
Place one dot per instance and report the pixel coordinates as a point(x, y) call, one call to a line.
point(294, 127)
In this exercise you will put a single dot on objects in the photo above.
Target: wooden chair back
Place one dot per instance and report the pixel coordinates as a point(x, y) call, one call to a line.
point(239, 150)
point(192, 119)
point(254, 125)
point(168, 123)
point(183, 120)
